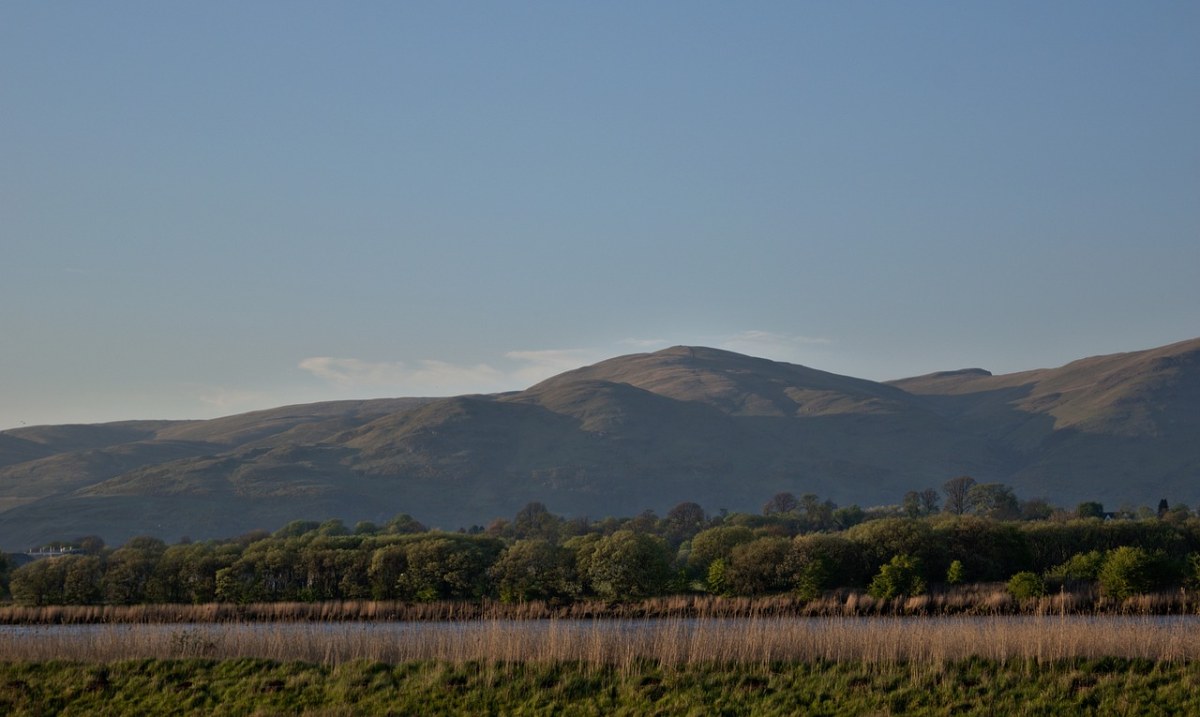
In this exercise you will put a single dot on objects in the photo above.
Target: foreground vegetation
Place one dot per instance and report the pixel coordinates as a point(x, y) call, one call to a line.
point(236, 687)
point(980, 599)
point(1034, 666)
point(622, 643)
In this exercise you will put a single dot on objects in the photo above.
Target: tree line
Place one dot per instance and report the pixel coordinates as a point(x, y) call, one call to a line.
point(801, 545)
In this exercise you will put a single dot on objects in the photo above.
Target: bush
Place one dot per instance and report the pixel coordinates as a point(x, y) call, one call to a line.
point(715, 579)
point(1126, 572)
point(1025, 585)
point(1191, 574)
point(900, 576)
point(956, 573)
point(1080, 567)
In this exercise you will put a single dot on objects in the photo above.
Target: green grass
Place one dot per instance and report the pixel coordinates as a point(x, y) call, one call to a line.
point(1105, 686)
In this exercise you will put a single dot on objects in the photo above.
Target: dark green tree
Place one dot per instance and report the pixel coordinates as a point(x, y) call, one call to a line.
point(627, 565)
point(822, 561)
point(683, 522)
point(882, 539)
point(404, 524)
point(759, 567)
point(535, 569)
point(535, 521)
point(448, 566)
point(993, 500)
point(130, 569)
point(718, 542)
point(781, 503)
point(956, 490)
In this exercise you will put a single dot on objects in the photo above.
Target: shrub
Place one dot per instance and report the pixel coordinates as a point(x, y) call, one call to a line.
point(715, 579)
point(1127, 571)
point(1080, 567)
point(810, 580)
point(900, 576)
point(1025, 585)
point(1191, 576)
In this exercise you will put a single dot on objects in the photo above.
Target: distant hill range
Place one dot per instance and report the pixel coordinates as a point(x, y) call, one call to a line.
point(630, 433)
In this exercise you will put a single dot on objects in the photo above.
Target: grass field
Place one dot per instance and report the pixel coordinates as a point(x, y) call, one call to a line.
point(1108, 686)
point(758, 666)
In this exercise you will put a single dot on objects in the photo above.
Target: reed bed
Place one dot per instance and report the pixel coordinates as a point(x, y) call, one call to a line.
point(980, 599)
point(674, 641)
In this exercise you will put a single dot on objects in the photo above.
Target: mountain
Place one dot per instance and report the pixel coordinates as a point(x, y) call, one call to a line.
point(633, 432)
point(1118, 428)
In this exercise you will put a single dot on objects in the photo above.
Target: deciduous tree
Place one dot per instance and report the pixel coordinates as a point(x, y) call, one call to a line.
point(956, 490)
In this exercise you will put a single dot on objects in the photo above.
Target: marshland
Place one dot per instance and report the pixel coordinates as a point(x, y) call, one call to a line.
point(687, 614)
point(618, 642)
point(743, 666)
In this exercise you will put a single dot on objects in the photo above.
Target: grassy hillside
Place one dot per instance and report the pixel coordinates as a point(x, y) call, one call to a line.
point(629, 433)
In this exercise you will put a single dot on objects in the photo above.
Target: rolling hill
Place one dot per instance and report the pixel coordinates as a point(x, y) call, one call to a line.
point(633, 432)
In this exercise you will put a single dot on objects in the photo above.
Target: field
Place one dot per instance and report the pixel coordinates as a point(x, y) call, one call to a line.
point(1108, 686)
point(1015, 665)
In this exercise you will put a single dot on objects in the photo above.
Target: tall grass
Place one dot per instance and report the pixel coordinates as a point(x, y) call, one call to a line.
point(675, 641)
point(979, 599)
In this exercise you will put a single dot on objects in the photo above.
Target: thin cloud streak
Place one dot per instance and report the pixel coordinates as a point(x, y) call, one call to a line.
point(541, 365)
point(522, 368)
point(430, 375)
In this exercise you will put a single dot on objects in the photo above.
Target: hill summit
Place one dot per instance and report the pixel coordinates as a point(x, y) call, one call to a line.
point(629, 433)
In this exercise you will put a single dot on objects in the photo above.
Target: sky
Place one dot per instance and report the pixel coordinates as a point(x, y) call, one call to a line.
point(210, 208)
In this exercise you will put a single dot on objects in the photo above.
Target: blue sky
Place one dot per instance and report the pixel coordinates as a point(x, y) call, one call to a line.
point(208, 208)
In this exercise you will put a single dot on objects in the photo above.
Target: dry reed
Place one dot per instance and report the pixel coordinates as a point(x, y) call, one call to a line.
point(979, 599)
point(672, 641)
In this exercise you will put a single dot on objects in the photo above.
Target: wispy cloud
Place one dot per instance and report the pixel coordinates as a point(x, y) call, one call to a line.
point(534, 366)
point(519, 369)
point(522, 368)
point(430, 375)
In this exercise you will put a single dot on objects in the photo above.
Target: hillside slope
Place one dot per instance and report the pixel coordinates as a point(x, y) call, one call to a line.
point(1120, 427)
point(633, 432)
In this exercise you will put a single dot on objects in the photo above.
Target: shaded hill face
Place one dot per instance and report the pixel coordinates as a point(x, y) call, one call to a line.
point(1114, 428)
point(1152, 393)
point(633, 432)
